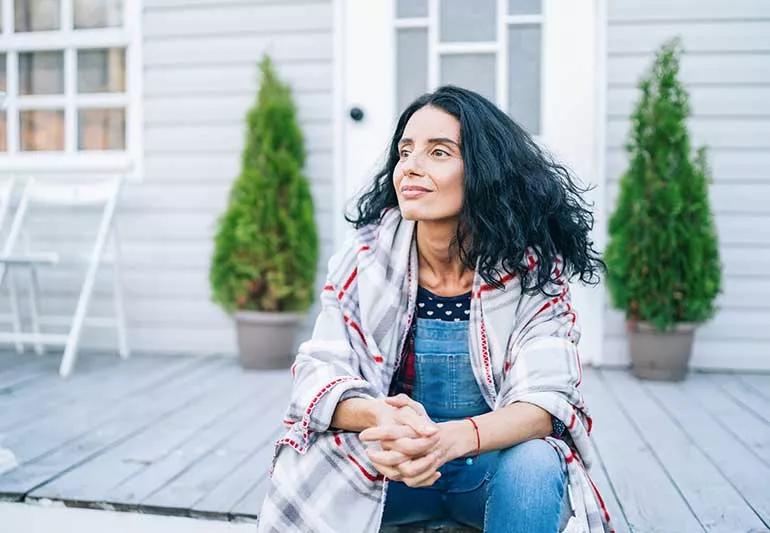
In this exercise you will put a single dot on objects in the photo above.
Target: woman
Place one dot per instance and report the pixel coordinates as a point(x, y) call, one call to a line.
point(441, 379)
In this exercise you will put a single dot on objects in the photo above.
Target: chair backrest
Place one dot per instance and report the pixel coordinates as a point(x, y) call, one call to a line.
point(56, 193)
point(66, 194)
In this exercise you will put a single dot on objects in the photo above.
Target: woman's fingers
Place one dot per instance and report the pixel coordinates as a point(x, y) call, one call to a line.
point(412, 413)
point(401, 439)
point(420, 423)
point(419, 472)
point(388, 471)
point(387, 432)
point(424, 479)
point(390, 458)
point(414, 447)
point(401, 400)
point(423, 473)
point(418, 467)
point(429, 481)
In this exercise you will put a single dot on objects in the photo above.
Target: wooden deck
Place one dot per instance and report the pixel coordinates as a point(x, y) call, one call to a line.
point(193, 437)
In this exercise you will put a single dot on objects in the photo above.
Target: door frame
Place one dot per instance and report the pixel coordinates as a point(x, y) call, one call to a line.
point(572, 120)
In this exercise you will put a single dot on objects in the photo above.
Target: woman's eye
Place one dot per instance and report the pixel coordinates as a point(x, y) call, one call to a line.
point(405, 153)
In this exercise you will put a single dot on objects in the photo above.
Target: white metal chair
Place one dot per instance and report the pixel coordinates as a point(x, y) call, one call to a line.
point(101, 194)
point(6, 190)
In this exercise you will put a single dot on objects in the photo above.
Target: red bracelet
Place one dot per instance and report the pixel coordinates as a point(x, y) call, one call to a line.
point(478, 439)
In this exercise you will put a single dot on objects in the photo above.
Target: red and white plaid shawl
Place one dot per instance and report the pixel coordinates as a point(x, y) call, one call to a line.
point(522, 348)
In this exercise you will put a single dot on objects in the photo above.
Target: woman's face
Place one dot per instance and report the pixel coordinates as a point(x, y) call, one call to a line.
point(431, 165)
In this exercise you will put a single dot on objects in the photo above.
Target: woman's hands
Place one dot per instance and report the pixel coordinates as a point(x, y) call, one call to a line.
point(412, 446)
point(402, 410)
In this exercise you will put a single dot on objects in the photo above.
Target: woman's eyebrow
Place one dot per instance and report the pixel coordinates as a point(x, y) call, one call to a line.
point(445, 140)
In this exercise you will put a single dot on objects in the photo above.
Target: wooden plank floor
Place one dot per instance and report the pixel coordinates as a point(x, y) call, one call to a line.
point(193, 436)
point(172, 435)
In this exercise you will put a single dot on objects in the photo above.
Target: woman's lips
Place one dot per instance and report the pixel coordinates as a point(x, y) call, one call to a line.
point(411, 194)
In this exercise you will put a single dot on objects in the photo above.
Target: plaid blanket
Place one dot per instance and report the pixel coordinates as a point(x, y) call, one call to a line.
point(522, 347)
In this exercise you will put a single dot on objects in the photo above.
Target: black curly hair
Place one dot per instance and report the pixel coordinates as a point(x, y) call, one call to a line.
point(515, 196)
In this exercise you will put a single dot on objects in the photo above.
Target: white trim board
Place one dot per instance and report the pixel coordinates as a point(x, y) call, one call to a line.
point(600, 160)
point(27, 518)
point(68, 40)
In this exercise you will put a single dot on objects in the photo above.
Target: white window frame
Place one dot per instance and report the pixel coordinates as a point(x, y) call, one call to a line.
point(129, 161)
point(499, 47)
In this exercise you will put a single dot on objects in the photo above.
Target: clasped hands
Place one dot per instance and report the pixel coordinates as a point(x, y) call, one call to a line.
point(413, 446)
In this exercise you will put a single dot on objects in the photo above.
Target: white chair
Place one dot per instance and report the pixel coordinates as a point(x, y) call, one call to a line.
point(6, 190)
point(52, 194)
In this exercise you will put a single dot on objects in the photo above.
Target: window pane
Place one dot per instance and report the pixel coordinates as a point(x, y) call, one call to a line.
point(411, 65)
point(101, 129)
point(471, 71)
point(411, 8)
point(524, 76)
point(462, 20)
point(3, 134)
point(37, 15)
point(101, 70)
point(98, 13)
point(42, 130)
point(41, 72)
point(525, 7)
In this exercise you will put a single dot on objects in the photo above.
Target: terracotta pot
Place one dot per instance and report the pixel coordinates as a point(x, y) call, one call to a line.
point(266, 340)
point(660, 355)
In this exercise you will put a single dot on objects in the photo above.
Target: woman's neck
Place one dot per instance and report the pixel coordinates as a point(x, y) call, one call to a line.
point(440, 269)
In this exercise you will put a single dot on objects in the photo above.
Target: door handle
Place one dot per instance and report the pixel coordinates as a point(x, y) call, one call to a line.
point(356, 113)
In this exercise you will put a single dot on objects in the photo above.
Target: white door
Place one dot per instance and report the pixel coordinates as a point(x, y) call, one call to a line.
point(535, 59)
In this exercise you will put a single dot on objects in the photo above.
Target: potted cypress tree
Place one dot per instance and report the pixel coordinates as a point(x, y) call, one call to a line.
point(266, 245)
point(662, 257)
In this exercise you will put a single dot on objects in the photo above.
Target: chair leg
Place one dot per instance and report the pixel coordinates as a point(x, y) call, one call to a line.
point(15, 314)
point(117, 298)
point(34, 291)
point(73, 339)
point(70, 350)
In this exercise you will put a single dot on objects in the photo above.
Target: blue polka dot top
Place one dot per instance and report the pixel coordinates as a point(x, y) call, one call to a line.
point(448, 308)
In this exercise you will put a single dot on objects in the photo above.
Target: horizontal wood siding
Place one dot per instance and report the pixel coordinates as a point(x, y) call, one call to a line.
point(726, 69)
point(200, 77)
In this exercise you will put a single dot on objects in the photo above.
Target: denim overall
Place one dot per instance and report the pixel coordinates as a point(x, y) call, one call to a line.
point(445, 385)
point(444, 381)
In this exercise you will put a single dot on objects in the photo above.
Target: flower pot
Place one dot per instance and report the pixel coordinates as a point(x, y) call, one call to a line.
point(660, 355)
point(266, 340)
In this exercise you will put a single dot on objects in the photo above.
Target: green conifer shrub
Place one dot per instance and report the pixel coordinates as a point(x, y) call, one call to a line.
point(266, 243)
point(663, 255)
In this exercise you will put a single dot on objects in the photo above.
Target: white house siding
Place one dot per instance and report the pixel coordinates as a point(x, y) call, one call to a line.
point(200, 76)
point(726, 69)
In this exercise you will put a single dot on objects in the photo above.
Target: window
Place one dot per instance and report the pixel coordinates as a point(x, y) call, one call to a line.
point(69, 74)
point(493, 47)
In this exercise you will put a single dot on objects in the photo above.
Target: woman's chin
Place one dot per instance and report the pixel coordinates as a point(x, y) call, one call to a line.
point(410, 213)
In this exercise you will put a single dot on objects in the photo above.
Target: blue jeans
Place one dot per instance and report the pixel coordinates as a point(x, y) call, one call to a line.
point(517, 489)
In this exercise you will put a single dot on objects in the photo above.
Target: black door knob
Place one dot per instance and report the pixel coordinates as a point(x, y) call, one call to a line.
point(357, 114)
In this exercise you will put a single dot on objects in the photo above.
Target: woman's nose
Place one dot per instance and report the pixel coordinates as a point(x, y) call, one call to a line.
point(413, 163)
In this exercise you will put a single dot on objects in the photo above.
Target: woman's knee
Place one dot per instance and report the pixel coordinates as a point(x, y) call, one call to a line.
point(529, 483)
point(533, 462)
